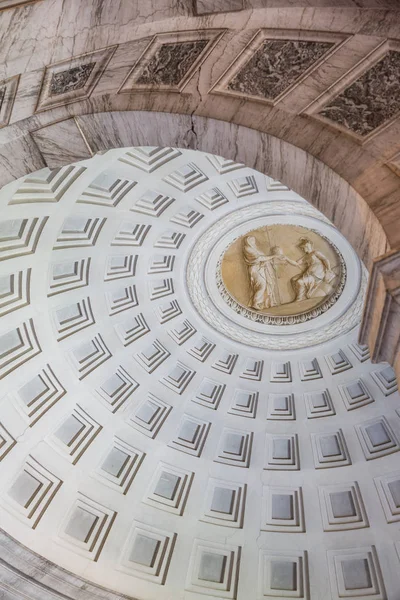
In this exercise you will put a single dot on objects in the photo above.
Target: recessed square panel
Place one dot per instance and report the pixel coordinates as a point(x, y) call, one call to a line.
point(283, 575)
point(167, 485)
point(282, 506)
point(342, 504)
point(144, 551)
point(115, 462)
point(81, 524)
point(222, 500)
point(24, 489)
point(212, 567)
point(356, 574)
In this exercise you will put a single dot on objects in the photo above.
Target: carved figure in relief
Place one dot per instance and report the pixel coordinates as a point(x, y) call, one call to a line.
point(317, 271)
point(262, 276)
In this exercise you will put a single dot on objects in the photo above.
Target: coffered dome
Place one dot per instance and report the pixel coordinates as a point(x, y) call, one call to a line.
point(164, 434)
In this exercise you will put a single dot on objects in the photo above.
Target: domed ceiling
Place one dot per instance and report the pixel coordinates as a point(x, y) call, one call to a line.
point(186, 412)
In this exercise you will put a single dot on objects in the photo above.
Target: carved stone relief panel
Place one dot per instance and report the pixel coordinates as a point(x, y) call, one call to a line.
point(364, 100)
point(274, 62)
point(72, 80)
point(372, 100)
point(170, 60)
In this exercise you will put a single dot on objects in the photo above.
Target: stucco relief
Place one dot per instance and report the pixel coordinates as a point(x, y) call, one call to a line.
point(283, 270)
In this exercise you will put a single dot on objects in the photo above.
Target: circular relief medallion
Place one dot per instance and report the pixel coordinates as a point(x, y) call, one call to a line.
point(281, 273)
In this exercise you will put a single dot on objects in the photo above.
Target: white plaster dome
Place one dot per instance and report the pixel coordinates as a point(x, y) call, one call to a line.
point(157, 443)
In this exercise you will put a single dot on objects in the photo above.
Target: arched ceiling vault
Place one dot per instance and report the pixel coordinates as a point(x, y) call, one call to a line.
point(108, 351)
point(334, 95)
point(163, 435)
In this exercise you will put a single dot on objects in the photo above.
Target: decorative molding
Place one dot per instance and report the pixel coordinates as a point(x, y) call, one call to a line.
point(338, 362)
point(244, 404)
point(15, 290)
point(224, 503)
point(253, 370)
point(31, 492)
point(282, 452)
point(72, 318)
point(235, 448)
point(213, 569)
point(235, 330)
point(169, 488)
point(38, 395)
point(7, 442)
point(120, 266)
point(191, 435)
point(106, 190)
point(342, 507)
point(356, 572)
point(47, 185)
point(121, 299)
point(377, 438)
point(78, 232)
point(150, 416)
point(388, 488)
point(119, 466)
point(18, 346)
point(88, 356)
point(86, 527)
point(186, 177)
point(68, 275)
point(149, 158)
point(187, 217)
point(130, 234)
point(19, 237)
point(148, 552)
point(75, 434)
point(319, 404)
point(283, 573)
point(226, 362)
point(281, 407)
point(117, 389)
point(179, 378)
point(355, 394)
point(330, 450)
point(386, 380)
point(282, 509)
point(209, 393)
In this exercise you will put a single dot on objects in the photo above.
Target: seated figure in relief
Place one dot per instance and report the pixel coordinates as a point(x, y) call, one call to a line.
point(317, 271)
point(262, 276)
